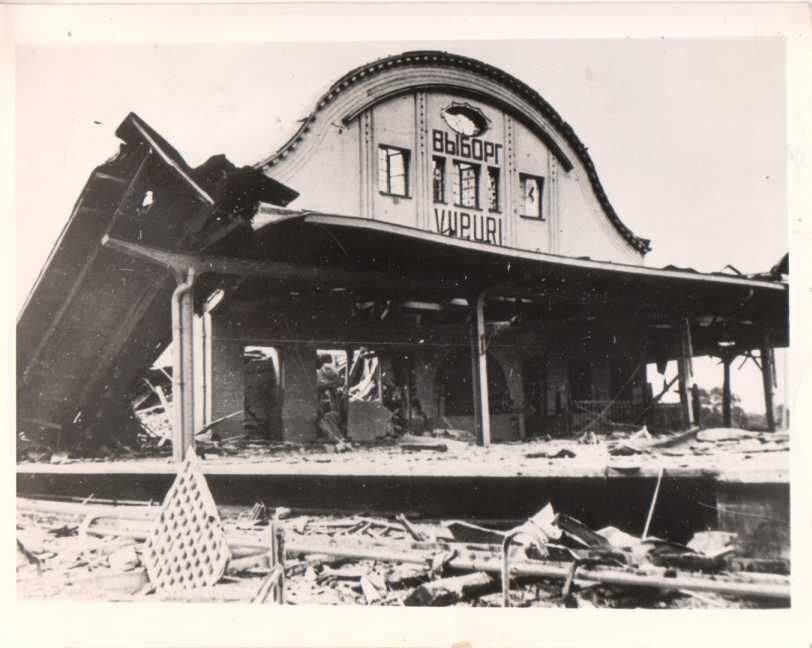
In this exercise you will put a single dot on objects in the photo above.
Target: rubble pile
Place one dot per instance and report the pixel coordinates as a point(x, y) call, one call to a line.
point(553, 560)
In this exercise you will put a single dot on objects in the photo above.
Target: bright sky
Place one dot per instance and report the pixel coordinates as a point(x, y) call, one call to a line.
point(688, 136)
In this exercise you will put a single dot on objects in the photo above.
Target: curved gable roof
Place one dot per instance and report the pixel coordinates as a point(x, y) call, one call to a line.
point(430, 58)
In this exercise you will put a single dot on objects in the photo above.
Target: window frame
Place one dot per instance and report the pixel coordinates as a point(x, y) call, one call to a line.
point(497, 188)
point(407, 158)
point(441, 161)
point(458, 167)
point(523, 177)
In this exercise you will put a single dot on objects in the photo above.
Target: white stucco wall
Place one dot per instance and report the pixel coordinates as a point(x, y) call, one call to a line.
point(334, 164)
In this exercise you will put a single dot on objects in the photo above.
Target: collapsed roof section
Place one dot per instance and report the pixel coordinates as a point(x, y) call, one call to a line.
point(96, 320)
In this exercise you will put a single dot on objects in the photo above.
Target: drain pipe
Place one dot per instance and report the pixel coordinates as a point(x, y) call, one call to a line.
point(205, 417)
point(182, 397)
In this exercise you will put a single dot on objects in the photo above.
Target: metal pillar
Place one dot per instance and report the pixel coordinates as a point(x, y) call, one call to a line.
point(726, 394)
point(696, 404)
point(685, 372)
point(479, 356)
point(768, 379)
point(477, 413)
point(183, 432)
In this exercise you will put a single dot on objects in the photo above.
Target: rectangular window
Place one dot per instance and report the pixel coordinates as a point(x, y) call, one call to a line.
point(393, 171)
point(466, 184)
point(493, 189)
point(438, 178)
point(532, 188)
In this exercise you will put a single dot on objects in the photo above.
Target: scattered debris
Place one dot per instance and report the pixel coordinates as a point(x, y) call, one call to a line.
point(719, 435)
point(564, 453)
point(393, 559)
point(60, 458)
point(554, 559)
point(713, 543)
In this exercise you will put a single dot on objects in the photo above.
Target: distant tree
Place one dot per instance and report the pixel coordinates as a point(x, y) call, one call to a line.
point(712, 414)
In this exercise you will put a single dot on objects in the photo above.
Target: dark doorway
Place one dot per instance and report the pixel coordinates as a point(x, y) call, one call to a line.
point(263, 405)
point(453, 385)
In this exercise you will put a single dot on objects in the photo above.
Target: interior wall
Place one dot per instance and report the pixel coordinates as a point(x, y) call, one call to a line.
point(227, 386)
point(299, 392)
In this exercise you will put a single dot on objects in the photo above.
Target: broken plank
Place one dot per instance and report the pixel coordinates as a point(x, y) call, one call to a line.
point(251, 561)
point(371, 591)
point(579, 531)
point(467, 532)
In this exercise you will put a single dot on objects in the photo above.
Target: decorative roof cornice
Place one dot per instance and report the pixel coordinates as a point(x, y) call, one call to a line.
point(444, 59)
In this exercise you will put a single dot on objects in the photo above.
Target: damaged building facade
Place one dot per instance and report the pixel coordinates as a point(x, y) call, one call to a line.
point(432, 248)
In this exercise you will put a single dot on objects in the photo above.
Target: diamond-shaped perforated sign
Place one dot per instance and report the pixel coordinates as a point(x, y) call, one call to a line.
point(187, 547)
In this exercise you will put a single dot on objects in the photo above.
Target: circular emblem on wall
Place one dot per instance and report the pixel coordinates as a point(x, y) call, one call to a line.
point(466, 119)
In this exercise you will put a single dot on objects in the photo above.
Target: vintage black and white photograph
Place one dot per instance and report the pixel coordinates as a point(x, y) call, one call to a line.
point(467, 323)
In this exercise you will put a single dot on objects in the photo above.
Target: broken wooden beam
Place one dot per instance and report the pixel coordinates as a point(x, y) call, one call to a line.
point(768, 379)
point(448, 591)
point(685, 372)
point(410, 528)
point(274, 583)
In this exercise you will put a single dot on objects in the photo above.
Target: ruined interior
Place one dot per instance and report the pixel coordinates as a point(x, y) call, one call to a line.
point(555, 360)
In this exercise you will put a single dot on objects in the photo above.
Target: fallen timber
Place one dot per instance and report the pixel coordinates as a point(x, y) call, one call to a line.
point(134, 523)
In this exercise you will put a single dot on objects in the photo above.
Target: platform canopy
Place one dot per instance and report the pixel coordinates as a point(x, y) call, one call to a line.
point(378, 259)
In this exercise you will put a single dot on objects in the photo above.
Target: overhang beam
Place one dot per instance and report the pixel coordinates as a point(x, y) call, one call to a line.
point(179, 263)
